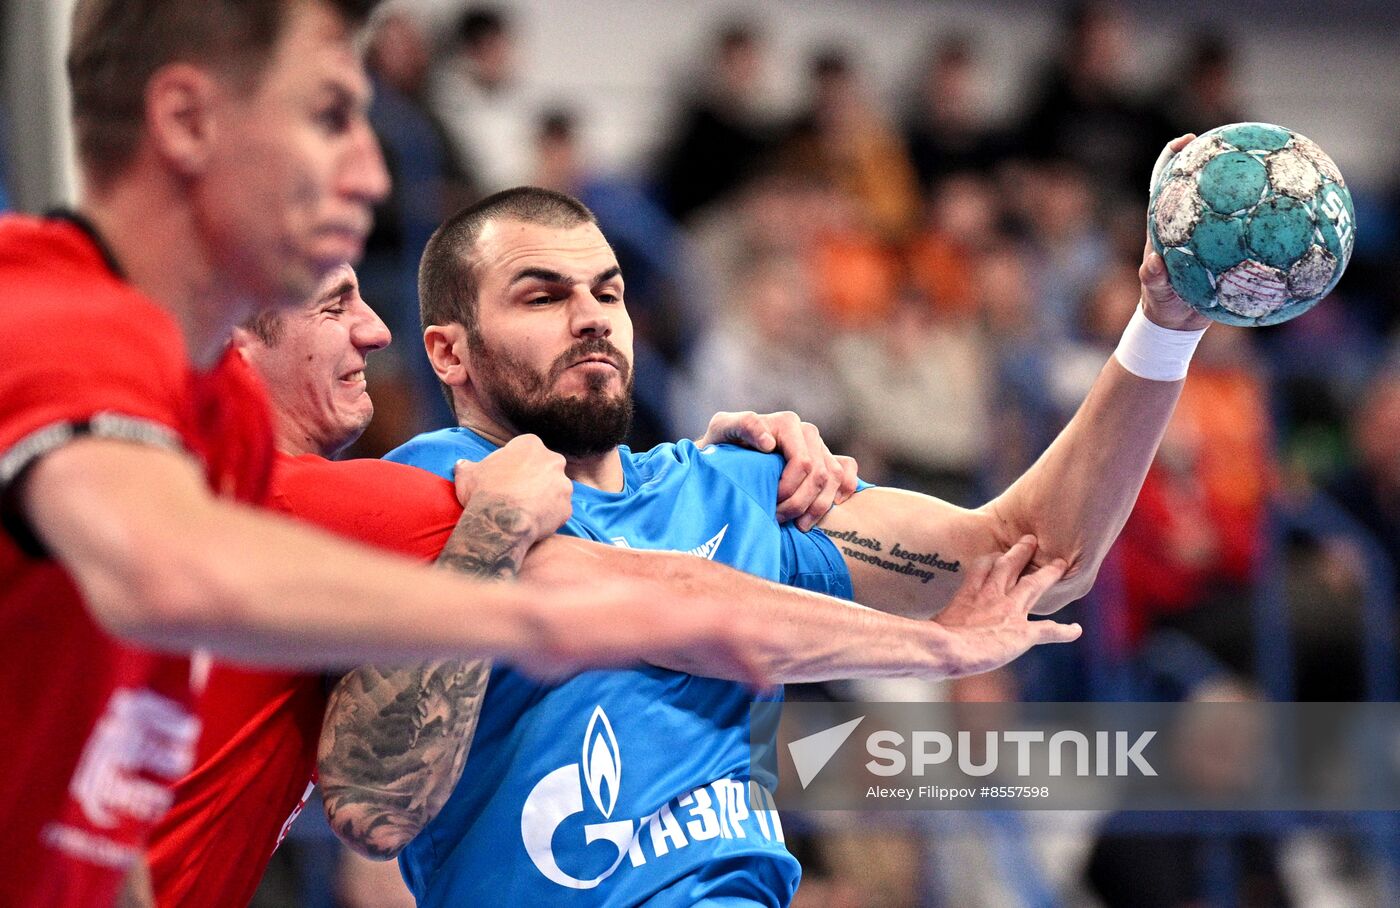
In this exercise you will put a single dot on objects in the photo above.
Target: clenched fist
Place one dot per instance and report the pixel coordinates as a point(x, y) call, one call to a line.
point(528, 475)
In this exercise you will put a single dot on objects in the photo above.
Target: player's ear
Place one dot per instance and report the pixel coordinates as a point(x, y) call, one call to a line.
point(447, 350)
point(179, 122)
point(242, 340)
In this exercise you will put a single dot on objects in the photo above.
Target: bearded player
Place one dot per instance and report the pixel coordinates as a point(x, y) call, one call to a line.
point(525, 325)
point(255, 760)
point(227, 165)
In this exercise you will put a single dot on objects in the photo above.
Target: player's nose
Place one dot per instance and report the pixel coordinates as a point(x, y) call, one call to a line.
point(371, 333)
point(588, 317)
point(364, 175)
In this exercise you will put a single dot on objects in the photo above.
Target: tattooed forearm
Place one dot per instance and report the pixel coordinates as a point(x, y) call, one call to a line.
point(898, 560)
point(855, 538)
point(930, 559)
point(395, 740)
point(393, 748)
point(490, 539)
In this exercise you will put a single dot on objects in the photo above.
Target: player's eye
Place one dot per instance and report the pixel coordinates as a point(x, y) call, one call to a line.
point(539, 300)
point(334, 120)
point(609, 298)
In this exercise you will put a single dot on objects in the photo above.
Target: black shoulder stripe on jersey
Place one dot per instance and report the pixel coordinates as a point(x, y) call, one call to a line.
point(16, 463)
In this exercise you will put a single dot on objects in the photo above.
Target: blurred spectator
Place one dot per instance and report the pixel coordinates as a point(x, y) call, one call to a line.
point(1025, 412)
point(919, 386)
point(1101, 318)
point(1323, 580)
point(1183, 860)
point(722, 132)
point(1190, 545)
point(476, 93)
point(1370, 490)
point(1082, 109)
point(946, 127)
point(1327, 595)
point(428, 185)
point(875, 861)
point(857, 273)
point(942, 257)
point(1067, 249)
point(772, 355)
point(846, 138)
point(799, 211)
point(1201, 92)
point(822, 886)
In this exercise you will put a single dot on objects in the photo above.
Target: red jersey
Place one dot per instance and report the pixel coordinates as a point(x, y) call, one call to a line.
point(258, 753)
point(96, 731)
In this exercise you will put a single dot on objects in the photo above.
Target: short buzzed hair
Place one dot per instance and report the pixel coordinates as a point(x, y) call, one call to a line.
point(447, 281)
point(117, 45)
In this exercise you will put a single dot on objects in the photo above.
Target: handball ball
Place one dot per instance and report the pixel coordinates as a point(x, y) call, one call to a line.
point(1254, 222)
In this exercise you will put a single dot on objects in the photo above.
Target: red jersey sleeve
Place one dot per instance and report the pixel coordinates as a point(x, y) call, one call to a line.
point(81, 353)
point(95, 347)
point(386, 505)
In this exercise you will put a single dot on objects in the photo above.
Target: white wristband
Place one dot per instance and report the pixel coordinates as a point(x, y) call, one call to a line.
point(1150, 351)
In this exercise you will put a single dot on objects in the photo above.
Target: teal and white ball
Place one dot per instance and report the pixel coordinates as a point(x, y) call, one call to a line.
point(1254, 222)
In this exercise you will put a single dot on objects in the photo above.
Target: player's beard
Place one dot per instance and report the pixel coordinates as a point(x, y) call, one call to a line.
point(576, 426)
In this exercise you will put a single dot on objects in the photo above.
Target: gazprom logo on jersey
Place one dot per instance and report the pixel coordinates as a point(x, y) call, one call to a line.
point(555, 813)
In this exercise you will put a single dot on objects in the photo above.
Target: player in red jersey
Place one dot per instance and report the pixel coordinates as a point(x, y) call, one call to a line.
point(256, 759)
point(228, 165)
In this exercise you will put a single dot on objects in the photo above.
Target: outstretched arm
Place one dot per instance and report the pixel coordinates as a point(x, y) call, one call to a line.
point(801, 636)
point(394, 743)
point(906, 551)
point(395, 740)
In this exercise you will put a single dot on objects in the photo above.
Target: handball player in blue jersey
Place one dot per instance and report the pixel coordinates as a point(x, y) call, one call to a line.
point(632, 787)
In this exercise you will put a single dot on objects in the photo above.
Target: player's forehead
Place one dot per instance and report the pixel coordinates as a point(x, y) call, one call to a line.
point(316, 53)
point(509, 249)
point(338, 283)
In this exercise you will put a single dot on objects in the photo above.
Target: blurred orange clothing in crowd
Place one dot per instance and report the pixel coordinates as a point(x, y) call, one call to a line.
point(1197, 524)
point(944, 273)
point(856, 277)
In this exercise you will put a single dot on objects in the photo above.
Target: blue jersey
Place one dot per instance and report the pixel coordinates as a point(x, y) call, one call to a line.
point(625, 787)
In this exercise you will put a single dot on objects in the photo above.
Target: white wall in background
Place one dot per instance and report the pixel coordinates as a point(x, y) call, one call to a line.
point(620, 61)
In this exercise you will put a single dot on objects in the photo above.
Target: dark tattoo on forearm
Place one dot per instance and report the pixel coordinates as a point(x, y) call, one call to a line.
point(394, 746)
point(396, 739)
point(923, 565)
point(490, 540)
point(930, 559)
point(855, 538)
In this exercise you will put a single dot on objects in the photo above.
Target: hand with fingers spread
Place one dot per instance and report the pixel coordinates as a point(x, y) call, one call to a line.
point(526, 476)
point(814, 479)
point(990, 614)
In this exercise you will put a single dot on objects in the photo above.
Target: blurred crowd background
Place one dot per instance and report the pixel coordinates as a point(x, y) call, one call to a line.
point(932, 265)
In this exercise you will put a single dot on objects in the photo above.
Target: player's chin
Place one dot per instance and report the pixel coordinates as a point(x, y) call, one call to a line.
point(353, 420)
